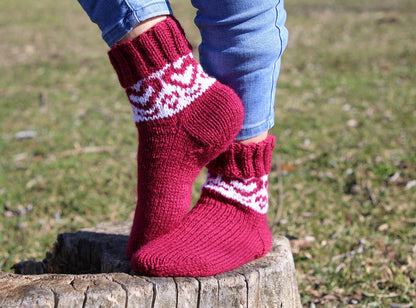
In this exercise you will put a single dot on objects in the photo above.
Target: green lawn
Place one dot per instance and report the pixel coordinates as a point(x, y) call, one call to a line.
point(343, 188)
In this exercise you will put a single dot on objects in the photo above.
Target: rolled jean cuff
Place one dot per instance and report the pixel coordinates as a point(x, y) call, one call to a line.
point(252, 131)
point(116, 18)
point(125, 25)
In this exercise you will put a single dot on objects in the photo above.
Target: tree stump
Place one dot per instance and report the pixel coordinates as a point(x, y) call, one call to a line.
point(89, 269)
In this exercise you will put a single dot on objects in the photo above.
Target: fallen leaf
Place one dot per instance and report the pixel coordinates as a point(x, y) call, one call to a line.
point(286, 167)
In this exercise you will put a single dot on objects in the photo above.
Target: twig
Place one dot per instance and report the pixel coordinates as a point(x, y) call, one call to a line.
point(279, 213)
point(86, 150)
point(371, 195)
point(77, 151)
point(350, 254)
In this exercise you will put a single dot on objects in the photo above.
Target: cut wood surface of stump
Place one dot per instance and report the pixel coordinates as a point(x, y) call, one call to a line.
point(89, 269)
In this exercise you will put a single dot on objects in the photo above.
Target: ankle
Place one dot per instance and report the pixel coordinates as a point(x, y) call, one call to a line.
point(142, 27)
point(255, 139)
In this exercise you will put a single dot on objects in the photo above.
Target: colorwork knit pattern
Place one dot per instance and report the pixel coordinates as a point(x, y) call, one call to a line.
point(184, 119)
point(169, 90)
point(248, 192)
point(227, 227)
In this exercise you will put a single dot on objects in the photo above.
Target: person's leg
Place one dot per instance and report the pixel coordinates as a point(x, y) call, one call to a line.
point(241, 45)
point(184, 117)
point(117, 18)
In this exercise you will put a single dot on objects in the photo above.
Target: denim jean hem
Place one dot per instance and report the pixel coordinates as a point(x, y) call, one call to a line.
point(133, 18)
point(253, 131)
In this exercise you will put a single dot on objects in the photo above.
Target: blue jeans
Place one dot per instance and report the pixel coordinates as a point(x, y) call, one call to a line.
point(242, 45)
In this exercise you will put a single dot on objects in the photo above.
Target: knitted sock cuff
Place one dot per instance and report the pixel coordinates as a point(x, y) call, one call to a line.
point(244, 161)
point(149, 52)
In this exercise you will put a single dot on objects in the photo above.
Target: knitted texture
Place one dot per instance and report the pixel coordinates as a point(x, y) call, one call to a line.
point(184, 119)
point(227, 227)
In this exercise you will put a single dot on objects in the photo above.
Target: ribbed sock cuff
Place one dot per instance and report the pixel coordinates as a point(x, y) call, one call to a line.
point(149, 52)
point(245, 161)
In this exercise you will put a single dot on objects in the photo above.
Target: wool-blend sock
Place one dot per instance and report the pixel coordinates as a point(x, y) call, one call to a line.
point(184, 119)
point(227, 227)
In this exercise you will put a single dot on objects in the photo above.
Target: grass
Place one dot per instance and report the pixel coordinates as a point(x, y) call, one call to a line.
point(345, 130)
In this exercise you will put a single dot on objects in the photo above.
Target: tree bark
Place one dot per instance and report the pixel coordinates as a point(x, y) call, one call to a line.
point(89, 269)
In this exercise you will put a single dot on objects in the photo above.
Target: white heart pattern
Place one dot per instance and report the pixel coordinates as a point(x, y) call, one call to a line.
point(251, 192)
point(169, 90)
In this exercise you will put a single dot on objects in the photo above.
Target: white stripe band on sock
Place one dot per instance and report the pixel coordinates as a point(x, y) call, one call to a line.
point(251, 192)
point(169, 90)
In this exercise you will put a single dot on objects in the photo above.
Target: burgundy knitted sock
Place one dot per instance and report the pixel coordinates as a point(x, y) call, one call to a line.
point(228, 226)
point(184, 118)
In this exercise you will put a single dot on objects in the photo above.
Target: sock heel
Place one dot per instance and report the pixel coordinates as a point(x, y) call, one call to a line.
point(217, 123)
